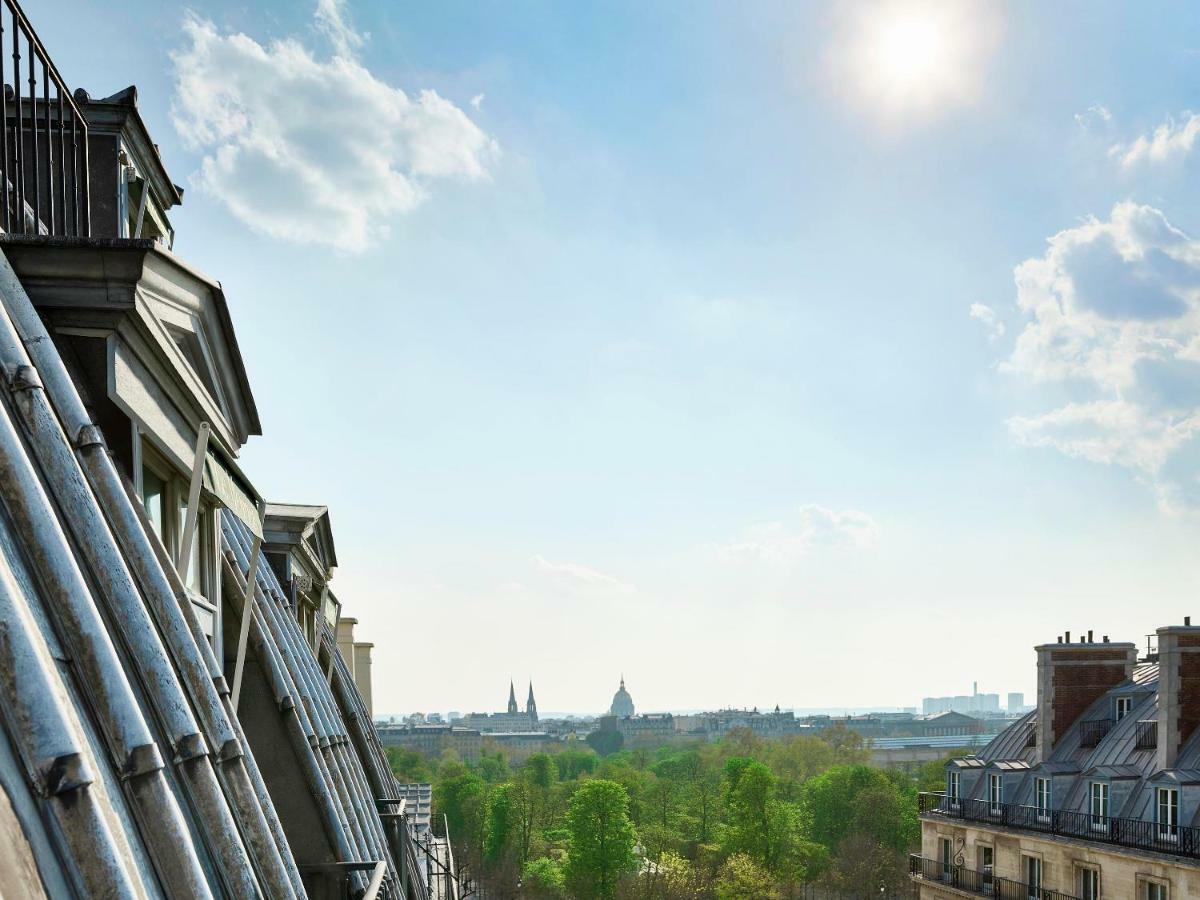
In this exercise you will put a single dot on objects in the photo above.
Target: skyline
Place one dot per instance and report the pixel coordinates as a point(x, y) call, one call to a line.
point(702, 335)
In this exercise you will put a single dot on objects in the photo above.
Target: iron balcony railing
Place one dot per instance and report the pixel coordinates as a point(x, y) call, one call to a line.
point(1138, 834)
point(44, 142)
point(1146, 736)
point(984, 883)
point(1093, 732)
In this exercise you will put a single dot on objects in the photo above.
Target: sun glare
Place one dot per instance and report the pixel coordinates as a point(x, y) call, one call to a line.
point(911, 57)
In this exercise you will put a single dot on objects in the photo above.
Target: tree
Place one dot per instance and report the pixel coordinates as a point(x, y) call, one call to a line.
point(600, 847)
point(543, 878)
point(409, 766)
point(741, 878)
point(849, 747)
point(854, 799)
point(605, 742)
point(573, 763)
point(458, 795)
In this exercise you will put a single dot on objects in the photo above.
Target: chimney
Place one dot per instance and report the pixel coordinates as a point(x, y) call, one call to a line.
point(362, 674)
point(345, 640)
point(1071, 677)
point(1178, 689)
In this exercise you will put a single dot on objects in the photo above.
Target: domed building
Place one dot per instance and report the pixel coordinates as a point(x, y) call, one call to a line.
point(622, 703)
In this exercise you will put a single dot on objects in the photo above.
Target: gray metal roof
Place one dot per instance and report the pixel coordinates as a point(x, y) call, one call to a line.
point(114, 729)
point(123, 770)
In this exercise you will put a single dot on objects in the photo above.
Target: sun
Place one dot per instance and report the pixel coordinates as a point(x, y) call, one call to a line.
point(913, 57)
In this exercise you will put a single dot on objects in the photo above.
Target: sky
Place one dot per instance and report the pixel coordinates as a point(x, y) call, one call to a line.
point(819, 354)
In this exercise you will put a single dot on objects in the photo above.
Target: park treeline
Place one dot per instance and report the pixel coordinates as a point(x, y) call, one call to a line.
point(740, 819)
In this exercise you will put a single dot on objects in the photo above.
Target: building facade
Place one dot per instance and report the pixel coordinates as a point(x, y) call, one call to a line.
point(1095, 793)
point(175, 718)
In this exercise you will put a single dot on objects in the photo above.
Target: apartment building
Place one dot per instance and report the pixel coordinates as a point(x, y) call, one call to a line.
point(1095, 793)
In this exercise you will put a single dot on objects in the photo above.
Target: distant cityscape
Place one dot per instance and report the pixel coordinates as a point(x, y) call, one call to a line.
point(902, 737)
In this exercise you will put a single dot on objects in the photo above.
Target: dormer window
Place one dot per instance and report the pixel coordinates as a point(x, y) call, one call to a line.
point(1041, 798)
point(952, 785)
point(164, 498)
point(1166, 813)
point(1124, 706)
point(996, 793)
point(1098, 805)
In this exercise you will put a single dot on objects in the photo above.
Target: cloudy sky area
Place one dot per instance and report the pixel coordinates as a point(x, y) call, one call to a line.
point(799, 353)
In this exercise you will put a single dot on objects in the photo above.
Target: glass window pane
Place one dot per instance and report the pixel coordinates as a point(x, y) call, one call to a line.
point(153, 491)
point(195, 578)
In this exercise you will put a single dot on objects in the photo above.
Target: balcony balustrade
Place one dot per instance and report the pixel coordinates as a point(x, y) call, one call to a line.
point(1138, 834)
point(1093, 732)
point(1146, 736)
point(985, 884)
point(43, 138)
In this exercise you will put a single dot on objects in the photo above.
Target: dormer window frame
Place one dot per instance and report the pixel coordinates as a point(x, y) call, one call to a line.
point(995, 792)
point(203, 587)
point(1124, 706)
point(1099, 809)
point(1043, 797)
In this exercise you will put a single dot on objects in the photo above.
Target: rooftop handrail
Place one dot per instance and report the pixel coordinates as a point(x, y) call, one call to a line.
point(44, 176)
point(1139, 834)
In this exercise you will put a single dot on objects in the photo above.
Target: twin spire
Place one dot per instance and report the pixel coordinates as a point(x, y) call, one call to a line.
point(530, 704)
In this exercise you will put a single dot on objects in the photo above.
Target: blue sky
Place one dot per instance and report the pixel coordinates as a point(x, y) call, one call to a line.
point(722, 345)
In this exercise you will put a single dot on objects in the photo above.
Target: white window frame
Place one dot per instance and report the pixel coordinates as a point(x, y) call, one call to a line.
point(1166, 814)
point(995, 792)
point(1029, 866)
point(1043, 798)
point(953, 784)
point(1085, 875)
point(1124, 706)
point(1098, 796)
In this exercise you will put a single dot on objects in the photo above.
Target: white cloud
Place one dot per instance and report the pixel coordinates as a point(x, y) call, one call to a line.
point(578, 576)
point(477, 100)
point(331, 21)
point(814, 527)
point(991, 321)
point(1169, 140)
point(1111, 432)
point(1096, 113)
point(309, 149)
point(1113, 321)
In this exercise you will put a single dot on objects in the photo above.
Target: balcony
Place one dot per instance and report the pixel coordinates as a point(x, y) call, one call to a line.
point(1093, 732)
point(1146, 736)
point(983, 884)
point(1136, 834)
point(44, 139)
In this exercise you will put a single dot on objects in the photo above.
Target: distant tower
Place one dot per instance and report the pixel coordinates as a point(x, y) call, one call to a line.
point(622, 703)
point(531, 706)
point(512, 699)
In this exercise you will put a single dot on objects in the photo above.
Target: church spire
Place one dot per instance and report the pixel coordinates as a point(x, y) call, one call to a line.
point(531, 706)
point(512, 698)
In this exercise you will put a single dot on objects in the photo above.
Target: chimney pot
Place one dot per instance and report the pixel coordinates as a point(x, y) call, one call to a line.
point(1106, 639)
point(1090, 636)
point(1187, 620)
point(1068, 637)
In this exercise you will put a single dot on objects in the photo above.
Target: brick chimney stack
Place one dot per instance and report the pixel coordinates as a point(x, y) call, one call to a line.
point(1071, 677)
point(1178, 689)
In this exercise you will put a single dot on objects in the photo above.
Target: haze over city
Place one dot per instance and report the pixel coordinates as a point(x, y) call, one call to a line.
point(669, 330)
